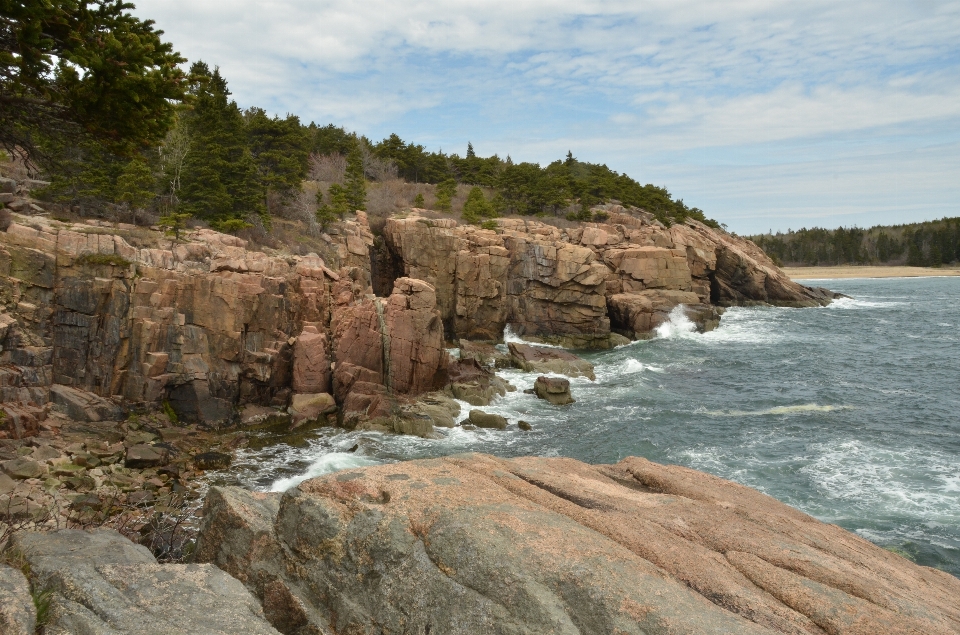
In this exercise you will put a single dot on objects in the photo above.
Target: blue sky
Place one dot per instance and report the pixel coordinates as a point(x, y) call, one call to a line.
point(767, 115)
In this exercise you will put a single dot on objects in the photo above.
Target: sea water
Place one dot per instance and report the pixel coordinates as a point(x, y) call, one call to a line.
point(850, 413)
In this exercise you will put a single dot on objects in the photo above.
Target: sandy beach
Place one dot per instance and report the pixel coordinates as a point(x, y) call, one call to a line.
point(851, 271)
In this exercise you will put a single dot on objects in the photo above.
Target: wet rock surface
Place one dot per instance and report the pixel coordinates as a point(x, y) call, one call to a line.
point(535, 545)
point(556, 390)
point(539, 359)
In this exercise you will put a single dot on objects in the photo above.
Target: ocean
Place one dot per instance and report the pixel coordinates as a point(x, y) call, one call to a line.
point(850, 413)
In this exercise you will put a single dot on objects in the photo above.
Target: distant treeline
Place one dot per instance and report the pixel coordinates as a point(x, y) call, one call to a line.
point(928, 244)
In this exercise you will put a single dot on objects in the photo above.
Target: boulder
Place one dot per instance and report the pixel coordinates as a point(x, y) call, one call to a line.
point(212, 461)
point(103, 583)
point(18, 616)
point(556, 390)
point(479, 544)
point(145, 456)
point(523, 425)
point(441, 410)
point(483, 419)
point(22, 468)
point(8, 186)
point(311, 409)
point(473, 383)
point(540, 359)
point(484, 354)
point(84, 406)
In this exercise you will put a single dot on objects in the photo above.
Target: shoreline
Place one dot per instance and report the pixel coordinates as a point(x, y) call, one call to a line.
point(868, 271)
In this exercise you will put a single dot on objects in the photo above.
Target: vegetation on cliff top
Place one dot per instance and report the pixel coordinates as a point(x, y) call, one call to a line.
point(928, 244)
point(88, 89)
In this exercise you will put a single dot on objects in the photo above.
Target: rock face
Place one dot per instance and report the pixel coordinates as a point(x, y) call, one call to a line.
point(96, 317)
point(471, 544)
point(384, 347)
point(555, 285)
point(103, 583)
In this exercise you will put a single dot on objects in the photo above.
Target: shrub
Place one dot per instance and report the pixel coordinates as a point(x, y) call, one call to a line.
point(112, 260)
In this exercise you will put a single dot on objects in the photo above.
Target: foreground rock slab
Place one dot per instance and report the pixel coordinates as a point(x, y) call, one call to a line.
point(540, 359)
point(475, 544)
point(102, 583)
point(17, 613)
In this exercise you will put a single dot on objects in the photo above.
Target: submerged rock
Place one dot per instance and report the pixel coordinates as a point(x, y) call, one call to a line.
point(474, 544)
point(553, 389)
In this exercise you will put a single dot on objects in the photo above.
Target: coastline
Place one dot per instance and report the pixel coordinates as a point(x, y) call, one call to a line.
point(853, 271)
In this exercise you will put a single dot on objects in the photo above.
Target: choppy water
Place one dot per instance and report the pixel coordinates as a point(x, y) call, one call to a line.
point(850, 413)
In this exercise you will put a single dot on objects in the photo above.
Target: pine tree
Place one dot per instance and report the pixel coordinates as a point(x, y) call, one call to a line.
point(220, 178)
point(280, 148)
point(135, 186)
point(355, 185)
point(445, 192)
point(476, 207)
point(339, 200)
point(418, 201)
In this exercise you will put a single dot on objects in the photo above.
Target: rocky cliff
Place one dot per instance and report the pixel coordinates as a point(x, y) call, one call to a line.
point(474, 544)
point(95, 316)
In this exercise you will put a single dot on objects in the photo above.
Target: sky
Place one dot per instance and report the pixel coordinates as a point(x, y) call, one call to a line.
point(768, 115)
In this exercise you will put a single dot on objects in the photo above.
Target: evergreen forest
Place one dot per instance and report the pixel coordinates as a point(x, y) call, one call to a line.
point(96, 103)
point(928, 244)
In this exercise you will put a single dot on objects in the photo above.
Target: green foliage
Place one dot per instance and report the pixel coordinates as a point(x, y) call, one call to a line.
point(355, 184)
point(280, 148)
point(113, 260)
point(41, 603)
point(928, 244)
point(339, 203)
point(135, 185)
point(75, 68)
point(173, 224)
point(445, 193)
point(220, 178)
point(476, 206)
point(170, 412)
point(489, 224)
point(230, 225)
point(329, 139)
point(418, 201)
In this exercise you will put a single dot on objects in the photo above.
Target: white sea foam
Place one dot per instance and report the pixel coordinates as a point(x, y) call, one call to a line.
point(509, 335)
point(677, 326)
point(325, 464)
point(777, 410)
point(868, 475)
point(860, 303)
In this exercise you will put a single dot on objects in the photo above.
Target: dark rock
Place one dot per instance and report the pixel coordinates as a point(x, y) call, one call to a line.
point(473, 383)
point(8, 186)
point(483, 419)
point(212, 461)
point(145, 456)
point(523, 425)
point(554, 389)
point(193, 403)
point(18, 616)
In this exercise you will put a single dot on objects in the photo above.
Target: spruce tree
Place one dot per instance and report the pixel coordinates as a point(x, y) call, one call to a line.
point(418, 201)
point(135, 186)
point(355, 185)
point(220, 178)
point(445, 192)
point(476, 207)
